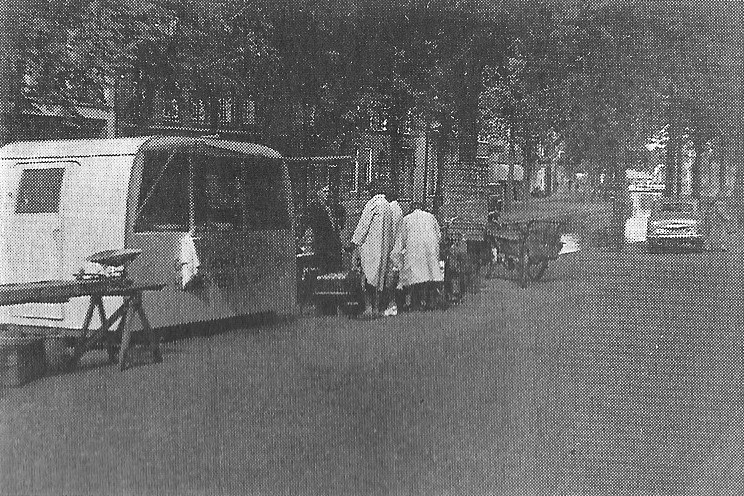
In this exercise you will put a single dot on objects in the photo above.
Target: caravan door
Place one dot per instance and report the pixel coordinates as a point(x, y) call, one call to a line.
point(242, 228)
point(218, 193)
point(36, 231)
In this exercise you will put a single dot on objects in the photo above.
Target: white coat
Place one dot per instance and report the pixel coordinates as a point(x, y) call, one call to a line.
point(397, 213)
point(374, 237)
point(416, 251)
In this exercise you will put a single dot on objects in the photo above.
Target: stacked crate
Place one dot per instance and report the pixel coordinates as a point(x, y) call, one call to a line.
point(22, 359)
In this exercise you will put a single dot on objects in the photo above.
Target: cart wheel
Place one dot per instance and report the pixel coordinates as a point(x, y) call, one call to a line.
point(535, 270)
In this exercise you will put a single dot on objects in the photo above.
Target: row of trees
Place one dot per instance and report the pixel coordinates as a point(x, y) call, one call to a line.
point(599, 76)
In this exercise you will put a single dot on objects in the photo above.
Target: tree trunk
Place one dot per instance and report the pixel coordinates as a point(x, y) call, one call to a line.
point(467, 115)
point(509, 193)
point(10, 98)
point(670, 161)
point(442, 148)
point(617, 222)
point(213, 109)
point(528, 159)
point(678, 169)
point(698, 144)
point(672, 148)
point(394, 158)
point(721, 165)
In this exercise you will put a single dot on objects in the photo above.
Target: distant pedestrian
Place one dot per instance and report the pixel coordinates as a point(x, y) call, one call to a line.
point(373, 238)
point(416, 254)
point(457, 267)
point(322, 219)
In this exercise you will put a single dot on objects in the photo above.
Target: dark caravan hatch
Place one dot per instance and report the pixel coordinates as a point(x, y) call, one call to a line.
point(164, 193)
point(39, 190)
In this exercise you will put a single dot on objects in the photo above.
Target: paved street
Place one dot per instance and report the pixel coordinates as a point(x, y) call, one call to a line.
point(618, 374)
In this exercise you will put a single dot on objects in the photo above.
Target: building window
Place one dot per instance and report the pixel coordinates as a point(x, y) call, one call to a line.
point(198, 111)
point(170, 110)
point(377, 121)
point(225, 110)
point(363, 168)
point(345, 176)
point(482, 151)
point(249, 112)
point(406, 127)
point(39, 191)
point(357, 173)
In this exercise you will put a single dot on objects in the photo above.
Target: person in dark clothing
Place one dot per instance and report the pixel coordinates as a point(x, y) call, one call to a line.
point(325, 221)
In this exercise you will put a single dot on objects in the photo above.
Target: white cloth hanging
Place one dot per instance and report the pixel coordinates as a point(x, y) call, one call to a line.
point(189, 262)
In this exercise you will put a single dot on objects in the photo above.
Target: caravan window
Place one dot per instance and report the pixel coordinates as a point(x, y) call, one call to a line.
point(39, 191)
point(164, 195)
point(266, 208)
point(240, 192)
point(219, 194)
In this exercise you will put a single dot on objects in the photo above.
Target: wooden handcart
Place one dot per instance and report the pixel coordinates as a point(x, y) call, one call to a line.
point(525, 247)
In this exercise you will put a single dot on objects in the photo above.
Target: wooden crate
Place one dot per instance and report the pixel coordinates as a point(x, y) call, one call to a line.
point(21, 359)
point(335, 284)
point(338, 293)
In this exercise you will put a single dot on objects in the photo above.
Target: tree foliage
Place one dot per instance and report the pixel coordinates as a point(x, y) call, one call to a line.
point(601, 76)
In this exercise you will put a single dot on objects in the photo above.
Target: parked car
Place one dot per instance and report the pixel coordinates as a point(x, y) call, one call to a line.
point(675, 223)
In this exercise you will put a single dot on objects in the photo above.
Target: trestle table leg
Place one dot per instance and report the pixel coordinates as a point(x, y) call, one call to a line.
point(126, 334)
point(153, 337)
point(79, 348)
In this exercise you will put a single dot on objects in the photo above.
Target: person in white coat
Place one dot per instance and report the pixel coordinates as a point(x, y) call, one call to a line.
point(393, 296)
point(416, 255)
point(373, 238)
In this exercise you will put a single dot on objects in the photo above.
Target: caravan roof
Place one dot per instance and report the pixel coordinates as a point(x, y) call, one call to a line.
point(121, 146)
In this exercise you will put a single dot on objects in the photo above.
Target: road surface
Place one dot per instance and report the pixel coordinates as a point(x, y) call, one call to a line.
point(620, 373)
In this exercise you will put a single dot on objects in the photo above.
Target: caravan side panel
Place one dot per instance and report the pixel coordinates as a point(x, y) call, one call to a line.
point(246, 268)
point(91, 217)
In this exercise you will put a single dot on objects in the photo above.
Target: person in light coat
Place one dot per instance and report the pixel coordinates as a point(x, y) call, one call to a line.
point(393, 296)
point(373, 238)
point(416, 254)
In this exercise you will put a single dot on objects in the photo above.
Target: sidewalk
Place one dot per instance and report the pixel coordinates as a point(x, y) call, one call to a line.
point(614, 375)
